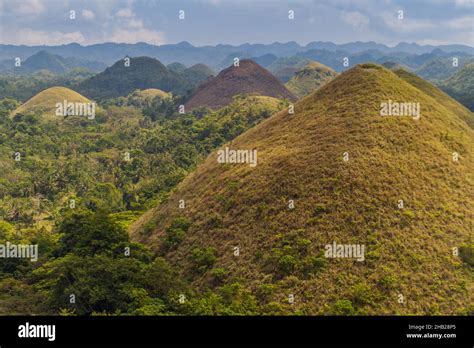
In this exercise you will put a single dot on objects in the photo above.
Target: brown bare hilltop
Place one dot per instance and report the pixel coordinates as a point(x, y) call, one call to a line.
point(247, 78)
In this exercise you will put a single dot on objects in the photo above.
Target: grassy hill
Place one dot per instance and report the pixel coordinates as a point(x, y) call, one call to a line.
point(408, 250)
point(45, 101)
point(151, 93)
point(461, 86)
point(310, 78)
point(248, 78)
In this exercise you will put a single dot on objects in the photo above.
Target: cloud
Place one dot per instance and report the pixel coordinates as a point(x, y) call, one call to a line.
point(466, 22)
point(124, 13)
point(28, 36)
point(464, 3)
point(88, 14)
point(407, 24)
point(356, 19)
point(28, 7)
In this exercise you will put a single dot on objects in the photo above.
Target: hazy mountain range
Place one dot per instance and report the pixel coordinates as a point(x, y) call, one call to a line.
point(216, 56)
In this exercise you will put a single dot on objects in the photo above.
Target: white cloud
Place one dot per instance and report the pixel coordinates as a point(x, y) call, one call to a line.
point(28, 7)
point(124, 13)
point(407, 24)
point(88, 14)
point(356, 19)
point(466, 22)
point(464, 3)
point(28, 36)
point(135, 23)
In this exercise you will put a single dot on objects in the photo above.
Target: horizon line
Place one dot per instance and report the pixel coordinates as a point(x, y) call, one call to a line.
point(241, 44)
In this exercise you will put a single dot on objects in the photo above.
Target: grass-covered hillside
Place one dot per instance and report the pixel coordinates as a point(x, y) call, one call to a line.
point(334, 171)
point(310, 78)
point(44, 103)
point(247, 78)
point(437, 94)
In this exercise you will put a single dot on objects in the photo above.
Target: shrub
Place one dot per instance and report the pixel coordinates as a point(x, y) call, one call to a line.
point(219, 274)
point(203, 258)
point(313, 264)
point(362, 294)
point(176, 233)
point(466, 253)
point(343, 307)
point(287, 264)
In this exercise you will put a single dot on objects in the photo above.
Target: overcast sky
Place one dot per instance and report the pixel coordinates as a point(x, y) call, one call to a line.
point(47, 22)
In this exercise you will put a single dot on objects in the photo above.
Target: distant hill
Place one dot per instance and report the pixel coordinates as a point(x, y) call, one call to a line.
point(247, 78)
point(44, 60)
point(120, 80)
point(284, 68)
point(265, 60)
point(45, 102)
point(335, 172)
point(441, 68)
point(393, 65)
point(187, 54)
point(197, 74)
point(151, 93)
point(310, 78)
point(176, 67)
point(461, 86)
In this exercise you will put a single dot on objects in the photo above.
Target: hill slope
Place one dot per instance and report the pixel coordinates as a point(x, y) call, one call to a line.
point(247, 78)
point(438, 95)
point(310, 78)
point(408, 250)
point(45, 101)
point(120, 80)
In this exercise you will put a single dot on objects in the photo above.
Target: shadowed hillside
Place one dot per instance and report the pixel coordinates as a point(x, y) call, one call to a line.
point(120, 80)
point(461, 86)
point(387, 183)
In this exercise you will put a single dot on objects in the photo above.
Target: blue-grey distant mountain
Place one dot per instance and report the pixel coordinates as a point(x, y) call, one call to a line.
point(213, 56)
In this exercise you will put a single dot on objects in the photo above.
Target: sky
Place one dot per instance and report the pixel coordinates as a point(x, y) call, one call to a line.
point(211, 22)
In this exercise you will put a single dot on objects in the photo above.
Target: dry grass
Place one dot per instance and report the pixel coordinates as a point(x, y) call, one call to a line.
point(408, 251)
point(45, 101)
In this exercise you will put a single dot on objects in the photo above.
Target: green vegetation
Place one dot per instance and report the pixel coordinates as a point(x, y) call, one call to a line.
point(460, 86)
point(121, 80)
point(80, 183)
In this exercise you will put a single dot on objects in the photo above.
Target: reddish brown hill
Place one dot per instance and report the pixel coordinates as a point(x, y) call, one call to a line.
point(247, 78)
